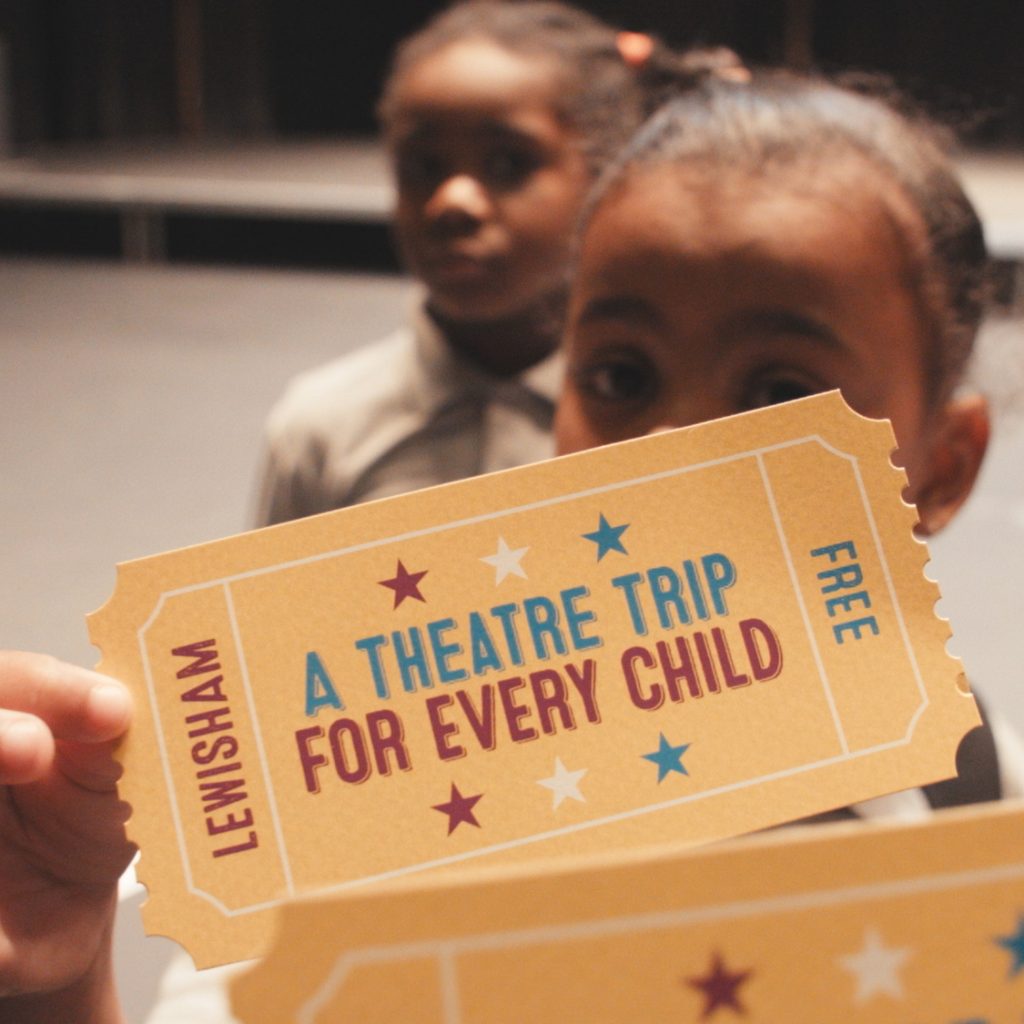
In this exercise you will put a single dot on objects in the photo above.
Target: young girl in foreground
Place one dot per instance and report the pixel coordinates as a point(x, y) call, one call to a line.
point(757, 243)
point(496, 117)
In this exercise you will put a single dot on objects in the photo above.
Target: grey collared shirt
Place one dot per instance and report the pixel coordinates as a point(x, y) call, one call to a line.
point(403, 413)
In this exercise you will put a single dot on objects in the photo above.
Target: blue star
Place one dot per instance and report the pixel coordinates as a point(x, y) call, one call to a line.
point(667, 757)
point(1015, 944)
point(608, 537)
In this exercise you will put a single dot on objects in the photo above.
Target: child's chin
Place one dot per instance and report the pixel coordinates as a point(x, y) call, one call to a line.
point(468, 304)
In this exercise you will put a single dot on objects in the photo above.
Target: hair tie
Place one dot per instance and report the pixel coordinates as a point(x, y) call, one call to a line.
point(635, 48)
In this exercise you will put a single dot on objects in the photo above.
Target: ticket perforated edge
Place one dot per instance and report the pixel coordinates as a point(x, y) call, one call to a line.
point(692, 635)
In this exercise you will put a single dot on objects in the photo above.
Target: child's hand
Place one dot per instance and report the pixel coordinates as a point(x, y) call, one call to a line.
point(62, 843)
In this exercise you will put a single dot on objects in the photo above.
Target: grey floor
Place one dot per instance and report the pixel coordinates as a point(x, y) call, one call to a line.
point(131, 405)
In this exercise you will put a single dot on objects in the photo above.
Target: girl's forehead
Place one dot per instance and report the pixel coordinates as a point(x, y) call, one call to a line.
point(476, 73)
point(701, 205)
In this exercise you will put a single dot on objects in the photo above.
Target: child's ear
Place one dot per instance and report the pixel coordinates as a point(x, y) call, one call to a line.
point(955, 456)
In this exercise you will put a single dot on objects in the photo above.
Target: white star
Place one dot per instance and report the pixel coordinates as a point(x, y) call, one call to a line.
point(564, 784)
point(876, 967)
point(506, 561)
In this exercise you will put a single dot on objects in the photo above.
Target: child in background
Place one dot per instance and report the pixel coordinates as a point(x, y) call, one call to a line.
point(497, 117)
point(757, 243)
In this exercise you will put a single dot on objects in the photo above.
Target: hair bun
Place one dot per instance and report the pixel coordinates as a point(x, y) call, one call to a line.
point(635, 48)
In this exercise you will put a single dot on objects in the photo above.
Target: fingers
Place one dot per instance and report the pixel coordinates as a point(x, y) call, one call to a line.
point(75, 703)
point(26, 748)
point(43, 700)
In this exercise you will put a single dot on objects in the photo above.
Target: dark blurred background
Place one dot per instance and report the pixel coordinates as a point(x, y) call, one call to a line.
point(76, 70)
point(241, 131)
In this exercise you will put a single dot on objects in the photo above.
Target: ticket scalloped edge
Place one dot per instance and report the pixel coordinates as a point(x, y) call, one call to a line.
point(227, 556)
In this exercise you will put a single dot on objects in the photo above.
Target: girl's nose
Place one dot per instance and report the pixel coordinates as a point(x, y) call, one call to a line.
point(459, 199)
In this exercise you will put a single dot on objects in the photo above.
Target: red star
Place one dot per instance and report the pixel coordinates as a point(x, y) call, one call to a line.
point(405, 584)
point(720, 988)
point(459, 809)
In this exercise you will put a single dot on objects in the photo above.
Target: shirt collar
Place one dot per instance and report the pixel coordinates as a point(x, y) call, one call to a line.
point(446, 376)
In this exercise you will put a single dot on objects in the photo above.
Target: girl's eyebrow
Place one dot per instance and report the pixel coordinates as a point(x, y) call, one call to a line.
point(495, 127)
point(407, 134)
point(750, 322)
point(622, 307)
point(418, 130)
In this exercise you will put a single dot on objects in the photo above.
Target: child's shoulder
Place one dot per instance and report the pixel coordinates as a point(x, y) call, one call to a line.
point(357, 374)
point(353, 388)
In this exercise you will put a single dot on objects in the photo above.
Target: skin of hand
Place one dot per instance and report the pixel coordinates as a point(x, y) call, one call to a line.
point(62, 840)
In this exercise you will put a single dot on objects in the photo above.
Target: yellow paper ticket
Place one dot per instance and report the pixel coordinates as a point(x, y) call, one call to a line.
point(814, 925)
point(692, 635)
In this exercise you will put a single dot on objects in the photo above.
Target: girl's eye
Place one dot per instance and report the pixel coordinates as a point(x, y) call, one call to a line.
point(623, 377)
point(773, 387)
point(509, 167)
point(419, 169)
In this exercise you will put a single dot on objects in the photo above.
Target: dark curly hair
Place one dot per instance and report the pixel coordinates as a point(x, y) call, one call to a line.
point(604, 96)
